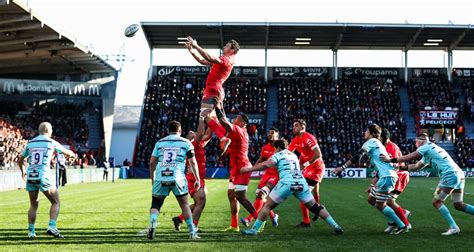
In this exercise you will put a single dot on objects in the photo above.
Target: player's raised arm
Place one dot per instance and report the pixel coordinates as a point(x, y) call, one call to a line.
point(195, 55)
point(259, 167)
point(209, 58)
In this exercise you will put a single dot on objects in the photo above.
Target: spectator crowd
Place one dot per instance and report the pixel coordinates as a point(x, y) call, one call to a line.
point(465, 152)
point(338, 112)
point(436, 93)
point(67, 119)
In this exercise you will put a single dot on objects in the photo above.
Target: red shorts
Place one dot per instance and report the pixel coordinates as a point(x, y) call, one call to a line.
point(314, 172)
point(402, 182)
point(268, 178)
point(191, 179)
point(240, 179)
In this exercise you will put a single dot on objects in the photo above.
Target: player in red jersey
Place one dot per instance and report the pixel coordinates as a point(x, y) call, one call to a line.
point(311, 162)
point(268, 181)
point(403, 178)
point(221, 68)
point(238, 154)
point(199, 141)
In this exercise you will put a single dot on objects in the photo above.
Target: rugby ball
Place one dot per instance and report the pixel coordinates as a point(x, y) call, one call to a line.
point(131, 30)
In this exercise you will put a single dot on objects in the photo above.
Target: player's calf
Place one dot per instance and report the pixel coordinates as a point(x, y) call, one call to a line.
point(320, 211)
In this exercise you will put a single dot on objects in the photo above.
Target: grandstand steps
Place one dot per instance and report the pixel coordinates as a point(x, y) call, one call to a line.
point(447, 146)
point(94, 122)
point(272, 105)
point(407, 116)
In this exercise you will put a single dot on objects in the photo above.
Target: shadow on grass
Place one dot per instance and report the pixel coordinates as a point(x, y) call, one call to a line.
point(112, 236)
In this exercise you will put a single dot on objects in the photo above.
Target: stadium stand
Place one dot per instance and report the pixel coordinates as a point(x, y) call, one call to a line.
point(468, 103)
point(11, 144)
point(465, 152)
point(433, 92)
point(246, 95)
point(19, 121)
point(338, 111)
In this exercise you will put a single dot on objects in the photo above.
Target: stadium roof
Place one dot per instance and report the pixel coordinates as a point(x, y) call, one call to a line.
point(278, 35)
point(28, 45)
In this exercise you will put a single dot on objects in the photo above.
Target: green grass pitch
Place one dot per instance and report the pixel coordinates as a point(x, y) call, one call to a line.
point(107, 216)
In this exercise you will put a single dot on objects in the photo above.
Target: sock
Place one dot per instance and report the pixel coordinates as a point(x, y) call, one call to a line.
point(389, 220)
point(305, 213)
point(400, 212)
point(153, 218)
point(271, 214)
point(217, 128)
point(258, 204)
point(469, 209)
point(196, 222)
point(52, 224)
point(189, 222)
point(181, 217)
point(387, 211)
point(31, 228)
point(254, 215)
point(329, 220)
point(444, 211)
point(234, 220)
point(256, 226)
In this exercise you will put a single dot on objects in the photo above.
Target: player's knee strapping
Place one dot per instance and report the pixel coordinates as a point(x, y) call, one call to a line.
point(156, 203)
point(457, 197)
point(264, 190)
point(316, 209)
point(441, 196)
point(205, 111)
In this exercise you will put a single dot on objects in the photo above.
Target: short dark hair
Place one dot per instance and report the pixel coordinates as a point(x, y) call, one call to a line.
point(300, 121)
point(244, 118)
point(274, 129)
point(385, 135)
point(234, 45)
point(174, 126)
point(282, 144)
point(375, 130)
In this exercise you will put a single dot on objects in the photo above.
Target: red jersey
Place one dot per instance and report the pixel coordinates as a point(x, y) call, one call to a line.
point(217, 76)
point(200, 154)
point(393, 150)
point(238, 149)
point(305, 144)
point(267, 151)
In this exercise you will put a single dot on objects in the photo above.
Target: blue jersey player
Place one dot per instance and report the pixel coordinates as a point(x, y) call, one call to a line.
point(39, 152)
point(451, 182)
point(374, 149)
point(167, 172)
point(291, 182)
